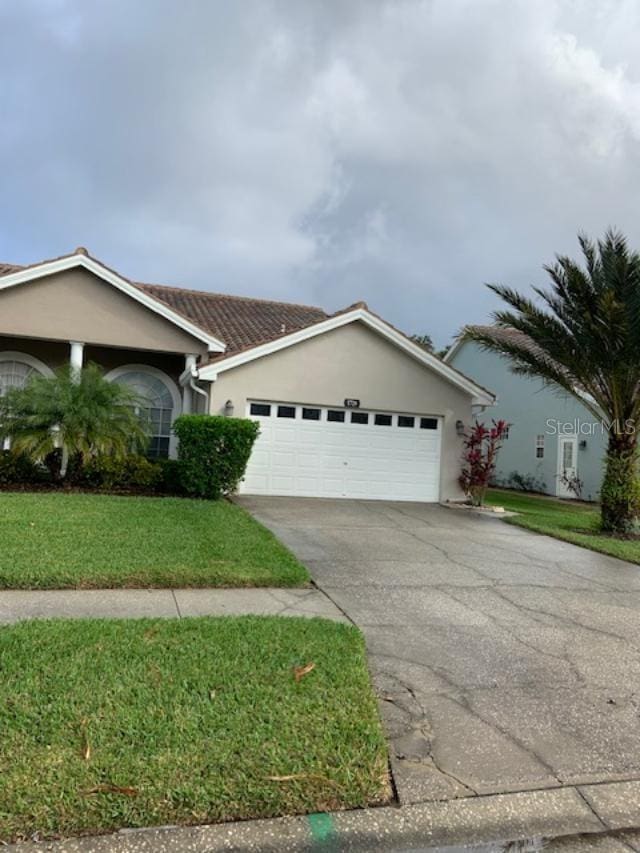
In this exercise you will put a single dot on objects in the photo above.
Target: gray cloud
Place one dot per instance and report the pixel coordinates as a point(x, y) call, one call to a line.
point(403, 152)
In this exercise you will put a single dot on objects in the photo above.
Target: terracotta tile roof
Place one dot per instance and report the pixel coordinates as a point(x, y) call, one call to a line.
point(239, 321)
point(6, 269)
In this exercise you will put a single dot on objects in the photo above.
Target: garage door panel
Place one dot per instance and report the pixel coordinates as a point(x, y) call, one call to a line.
point(285, 435)
point(334, 462)
point(280, 458)
point(307, 485)
point(258, 483)
point(309, 437)
point(332, 487)
point(308, 460)
point(359, 463)
point(361, 489)
point(260, 457)
point(296, 456)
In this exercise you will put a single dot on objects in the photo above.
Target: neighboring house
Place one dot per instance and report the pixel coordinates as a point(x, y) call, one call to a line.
point(552, 437)
point(348, 406)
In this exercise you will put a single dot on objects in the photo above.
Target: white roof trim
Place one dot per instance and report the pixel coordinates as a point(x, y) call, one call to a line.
point(453, 349)
point(80, 260)
point(480, 395)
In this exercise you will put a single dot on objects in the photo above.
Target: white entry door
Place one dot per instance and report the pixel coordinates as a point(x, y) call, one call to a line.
point(567, 465)
point(316, 451)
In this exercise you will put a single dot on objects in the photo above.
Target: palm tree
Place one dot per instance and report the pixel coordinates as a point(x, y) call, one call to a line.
point(583, 336)
point(79, 412)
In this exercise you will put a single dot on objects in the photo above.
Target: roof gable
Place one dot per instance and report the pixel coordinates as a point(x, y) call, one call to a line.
point(361, 314)
point(82, 260)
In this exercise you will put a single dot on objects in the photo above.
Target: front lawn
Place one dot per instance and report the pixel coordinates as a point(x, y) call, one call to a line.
point(110, 723)
point(571, 521)
point(56, 541)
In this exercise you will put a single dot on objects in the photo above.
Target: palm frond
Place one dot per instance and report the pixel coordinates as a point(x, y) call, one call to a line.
point(86, 414)
point(582, 334)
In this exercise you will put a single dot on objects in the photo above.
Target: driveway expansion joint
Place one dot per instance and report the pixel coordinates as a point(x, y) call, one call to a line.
point(589, 804)
point(173, 593)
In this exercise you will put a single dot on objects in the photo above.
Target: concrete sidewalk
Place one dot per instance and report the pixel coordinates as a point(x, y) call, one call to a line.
point(603, 818)
point(16, 605)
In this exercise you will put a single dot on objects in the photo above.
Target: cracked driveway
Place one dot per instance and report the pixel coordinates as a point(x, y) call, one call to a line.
point(504, 661)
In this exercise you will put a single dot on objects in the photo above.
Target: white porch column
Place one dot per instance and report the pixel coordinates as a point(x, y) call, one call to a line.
point(76, 355)
point(187, 393)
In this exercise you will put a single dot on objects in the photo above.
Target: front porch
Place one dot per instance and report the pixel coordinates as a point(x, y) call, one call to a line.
point(163, 378)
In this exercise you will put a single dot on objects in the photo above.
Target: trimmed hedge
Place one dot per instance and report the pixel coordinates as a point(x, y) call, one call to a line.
point(134, 472)
point(213, 452)
point(170, 483)
point(16, 469)
point(212, 457)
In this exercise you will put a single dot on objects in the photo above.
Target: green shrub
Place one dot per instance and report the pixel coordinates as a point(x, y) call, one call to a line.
point(170, 482)
point(132, 472)
point(213, 453)
point(16, 468)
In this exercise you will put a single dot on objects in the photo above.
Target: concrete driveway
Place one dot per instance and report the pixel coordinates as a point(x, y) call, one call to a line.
point(504, 661)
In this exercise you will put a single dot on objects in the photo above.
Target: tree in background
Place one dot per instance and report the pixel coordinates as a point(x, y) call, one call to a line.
point(426, 343)
point(583, 336)
point(423, 341)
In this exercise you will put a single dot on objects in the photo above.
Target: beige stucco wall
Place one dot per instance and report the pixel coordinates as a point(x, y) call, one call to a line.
point(76, 305)
point(352, 361)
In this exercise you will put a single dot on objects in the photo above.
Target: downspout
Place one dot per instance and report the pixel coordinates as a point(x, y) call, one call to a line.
point(189, 376)
point(194, 387)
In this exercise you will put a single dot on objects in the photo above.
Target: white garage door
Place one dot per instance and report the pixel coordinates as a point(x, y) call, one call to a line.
point(313, 451)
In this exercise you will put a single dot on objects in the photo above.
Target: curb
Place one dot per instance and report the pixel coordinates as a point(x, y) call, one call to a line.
point(551, 813)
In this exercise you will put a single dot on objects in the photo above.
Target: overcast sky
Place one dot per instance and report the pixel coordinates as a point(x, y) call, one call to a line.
point(321, 151)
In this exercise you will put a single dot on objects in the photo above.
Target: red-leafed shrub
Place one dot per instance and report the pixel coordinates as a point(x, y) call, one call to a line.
point(481, 446)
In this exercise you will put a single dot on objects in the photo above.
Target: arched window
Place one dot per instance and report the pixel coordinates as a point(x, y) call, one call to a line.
point(162, 403)
point(16, 369)
point(14, 374)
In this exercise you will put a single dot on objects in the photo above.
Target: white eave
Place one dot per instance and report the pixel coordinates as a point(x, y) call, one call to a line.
point(454, 348)
point(479, 395)
point(80, 260)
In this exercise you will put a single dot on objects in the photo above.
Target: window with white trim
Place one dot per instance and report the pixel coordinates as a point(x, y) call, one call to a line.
point(159, 408)
point(14, 374)
point(540, 446)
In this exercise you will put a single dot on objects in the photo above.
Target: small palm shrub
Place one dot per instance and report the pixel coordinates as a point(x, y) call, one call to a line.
point(79, 413)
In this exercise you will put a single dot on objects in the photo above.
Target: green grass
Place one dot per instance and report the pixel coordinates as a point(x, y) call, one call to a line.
point(570, 521)
point(59, 541)
point(192, 716)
